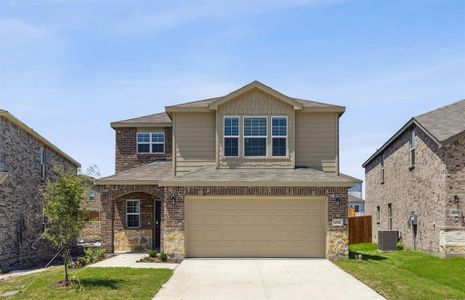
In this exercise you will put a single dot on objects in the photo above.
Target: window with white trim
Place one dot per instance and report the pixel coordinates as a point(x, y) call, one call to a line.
point(42, 163)
point(279, 136)
point(133, 213)
point(231, 136)
point(389, 216)
point(413, 146)
point(151, 142)
point(255, 136)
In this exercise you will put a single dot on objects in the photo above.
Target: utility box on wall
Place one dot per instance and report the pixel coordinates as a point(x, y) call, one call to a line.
point(387, 240)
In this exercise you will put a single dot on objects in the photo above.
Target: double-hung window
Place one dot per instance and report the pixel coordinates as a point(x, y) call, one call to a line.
point(133, 213)
point(413, 145)
point(255, 136)
point(390, 216)
point(279, 136)
point(231, 136)
point(382, 168)
point(42, 163)
point(151, 142)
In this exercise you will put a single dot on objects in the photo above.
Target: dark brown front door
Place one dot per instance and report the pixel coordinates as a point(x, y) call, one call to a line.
point(156, 235)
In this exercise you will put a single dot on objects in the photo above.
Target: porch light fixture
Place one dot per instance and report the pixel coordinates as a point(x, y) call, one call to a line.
point(456, 199)
point(173, 200)
point(338, 201)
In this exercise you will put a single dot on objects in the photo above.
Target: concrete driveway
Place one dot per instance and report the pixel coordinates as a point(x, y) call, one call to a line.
point(262, 279)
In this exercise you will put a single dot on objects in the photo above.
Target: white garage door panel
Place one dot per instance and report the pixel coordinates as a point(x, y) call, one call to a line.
point(255, 226)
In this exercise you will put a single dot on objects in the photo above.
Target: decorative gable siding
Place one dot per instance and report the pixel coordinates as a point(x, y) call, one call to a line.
point(255, 103)
point(317, 141)
point(194, 138)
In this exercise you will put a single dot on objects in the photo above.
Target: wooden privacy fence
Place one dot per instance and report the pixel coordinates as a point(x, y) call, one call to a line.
point(359, 229)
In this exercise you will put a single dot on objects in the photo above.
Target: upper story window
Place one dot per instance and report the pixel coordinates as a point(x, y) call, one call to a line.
point(279, 136)
point(42, 163)
point(91, 195)
point(413, 145)
point(151, 142)
point(231, 136)
point(382, 168)
point(255, 136)
point(133, 213)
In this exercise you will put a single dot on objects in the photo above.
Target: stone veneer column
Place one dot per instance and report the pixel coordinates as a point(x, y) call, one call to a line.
point(173, 240)
point(106, 217)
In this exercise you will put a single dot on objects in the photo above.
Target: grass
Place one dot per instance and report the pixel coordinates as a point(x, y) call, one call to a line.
point(407, 274)
point(98, 283)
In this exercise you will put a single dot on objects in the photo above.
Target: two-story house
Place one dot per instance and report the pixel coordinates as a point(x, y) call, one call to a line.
point(420, 172)
point(254, 173)
point(26, 162)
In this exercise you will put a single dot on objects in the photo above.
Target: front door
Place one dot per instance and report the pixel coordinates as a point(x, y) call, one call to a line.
point(157, 222)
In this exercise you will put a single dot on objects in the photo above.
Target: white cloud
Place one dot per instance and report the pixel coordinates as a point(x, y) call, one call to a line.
point(173, 14)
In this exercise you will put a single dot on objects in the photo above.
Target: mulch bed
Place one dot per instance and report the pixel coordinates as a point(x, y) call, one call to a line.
point(63, 285)
point(149, 259)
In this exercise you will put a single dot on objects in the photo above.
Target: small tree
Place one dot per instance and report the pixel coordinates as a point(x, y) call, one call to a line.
point(65, 210)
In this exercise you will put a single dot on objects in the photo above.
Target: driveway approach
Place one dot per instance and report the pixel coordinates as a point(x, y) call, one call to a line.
point(262, 279)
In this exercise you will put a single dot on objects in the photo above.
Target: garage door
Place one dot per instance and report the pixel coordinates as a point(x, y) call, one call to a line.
point(255, 226)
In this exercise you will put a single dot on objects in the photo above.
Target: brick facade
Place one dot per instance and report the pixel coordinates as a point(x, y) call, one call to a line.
point(20, 197)
point(115, 234)
point(126, 156)
point(427, 190)
point(172, 215)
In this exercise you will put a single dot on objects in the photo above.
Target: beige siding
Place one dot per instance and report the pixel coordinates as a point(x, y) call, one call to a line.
point(316, 140)
point(255, 103)
point(195, 141)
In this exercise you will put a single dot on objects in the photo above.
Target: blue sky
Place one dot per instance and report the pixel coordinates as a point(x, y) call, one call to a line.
point(70, 67)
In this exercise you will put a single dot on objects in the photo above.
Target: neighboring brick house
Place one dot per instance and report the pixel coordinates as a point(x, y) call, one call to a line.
point(26, 162)
point(421, 171)
point(254, 173)
point(92, 233)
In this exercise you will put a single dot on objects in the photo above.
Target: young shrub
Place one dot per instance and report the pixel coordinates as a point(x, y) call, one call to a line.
point(153, 253)
point(400, 246)
point(82, 261)
point(94, 255)
point(163, 257)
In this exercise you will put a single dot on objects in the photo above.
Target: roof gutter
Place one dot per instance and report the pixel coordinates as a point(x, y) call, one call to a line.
point(177, 183)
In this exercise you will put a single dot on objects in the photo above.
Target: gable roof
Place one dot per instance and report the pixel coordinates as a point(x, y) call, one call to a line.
point(249, 87)
point(159, 119)
point(5, 114)
point(443, 125)
point(213, 103)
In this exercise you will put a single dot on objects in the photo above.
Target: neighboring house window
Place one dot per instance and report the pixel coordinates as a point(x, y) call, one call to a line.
point(357, 209)
point(378, 214)
point(382, 168)
point(44, 223)
point(91, 195)
point(255, 136)
point(279, 136)
point(390, 216)
point(42, 163)
point(231, 136)
point(413, 145)
point(133, 213)
point(151, 142)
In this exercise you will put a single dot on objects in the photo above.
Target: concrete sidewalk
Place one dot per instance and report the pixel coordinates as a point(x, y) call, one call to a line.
point(18, 273)
point(129, 260)
point(231, 279)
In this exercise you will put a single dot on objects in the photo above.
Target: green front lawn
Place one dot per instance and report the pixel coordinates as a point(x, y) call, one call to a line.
point(407, 274)
point(98, 283)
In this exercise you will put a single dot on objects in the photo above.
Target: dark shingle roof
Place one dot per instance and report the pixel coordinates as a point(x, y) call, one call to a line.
point(443, 125)
point(149, 173)
point(446, 122)
point(260, 177)
point(161, 119)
